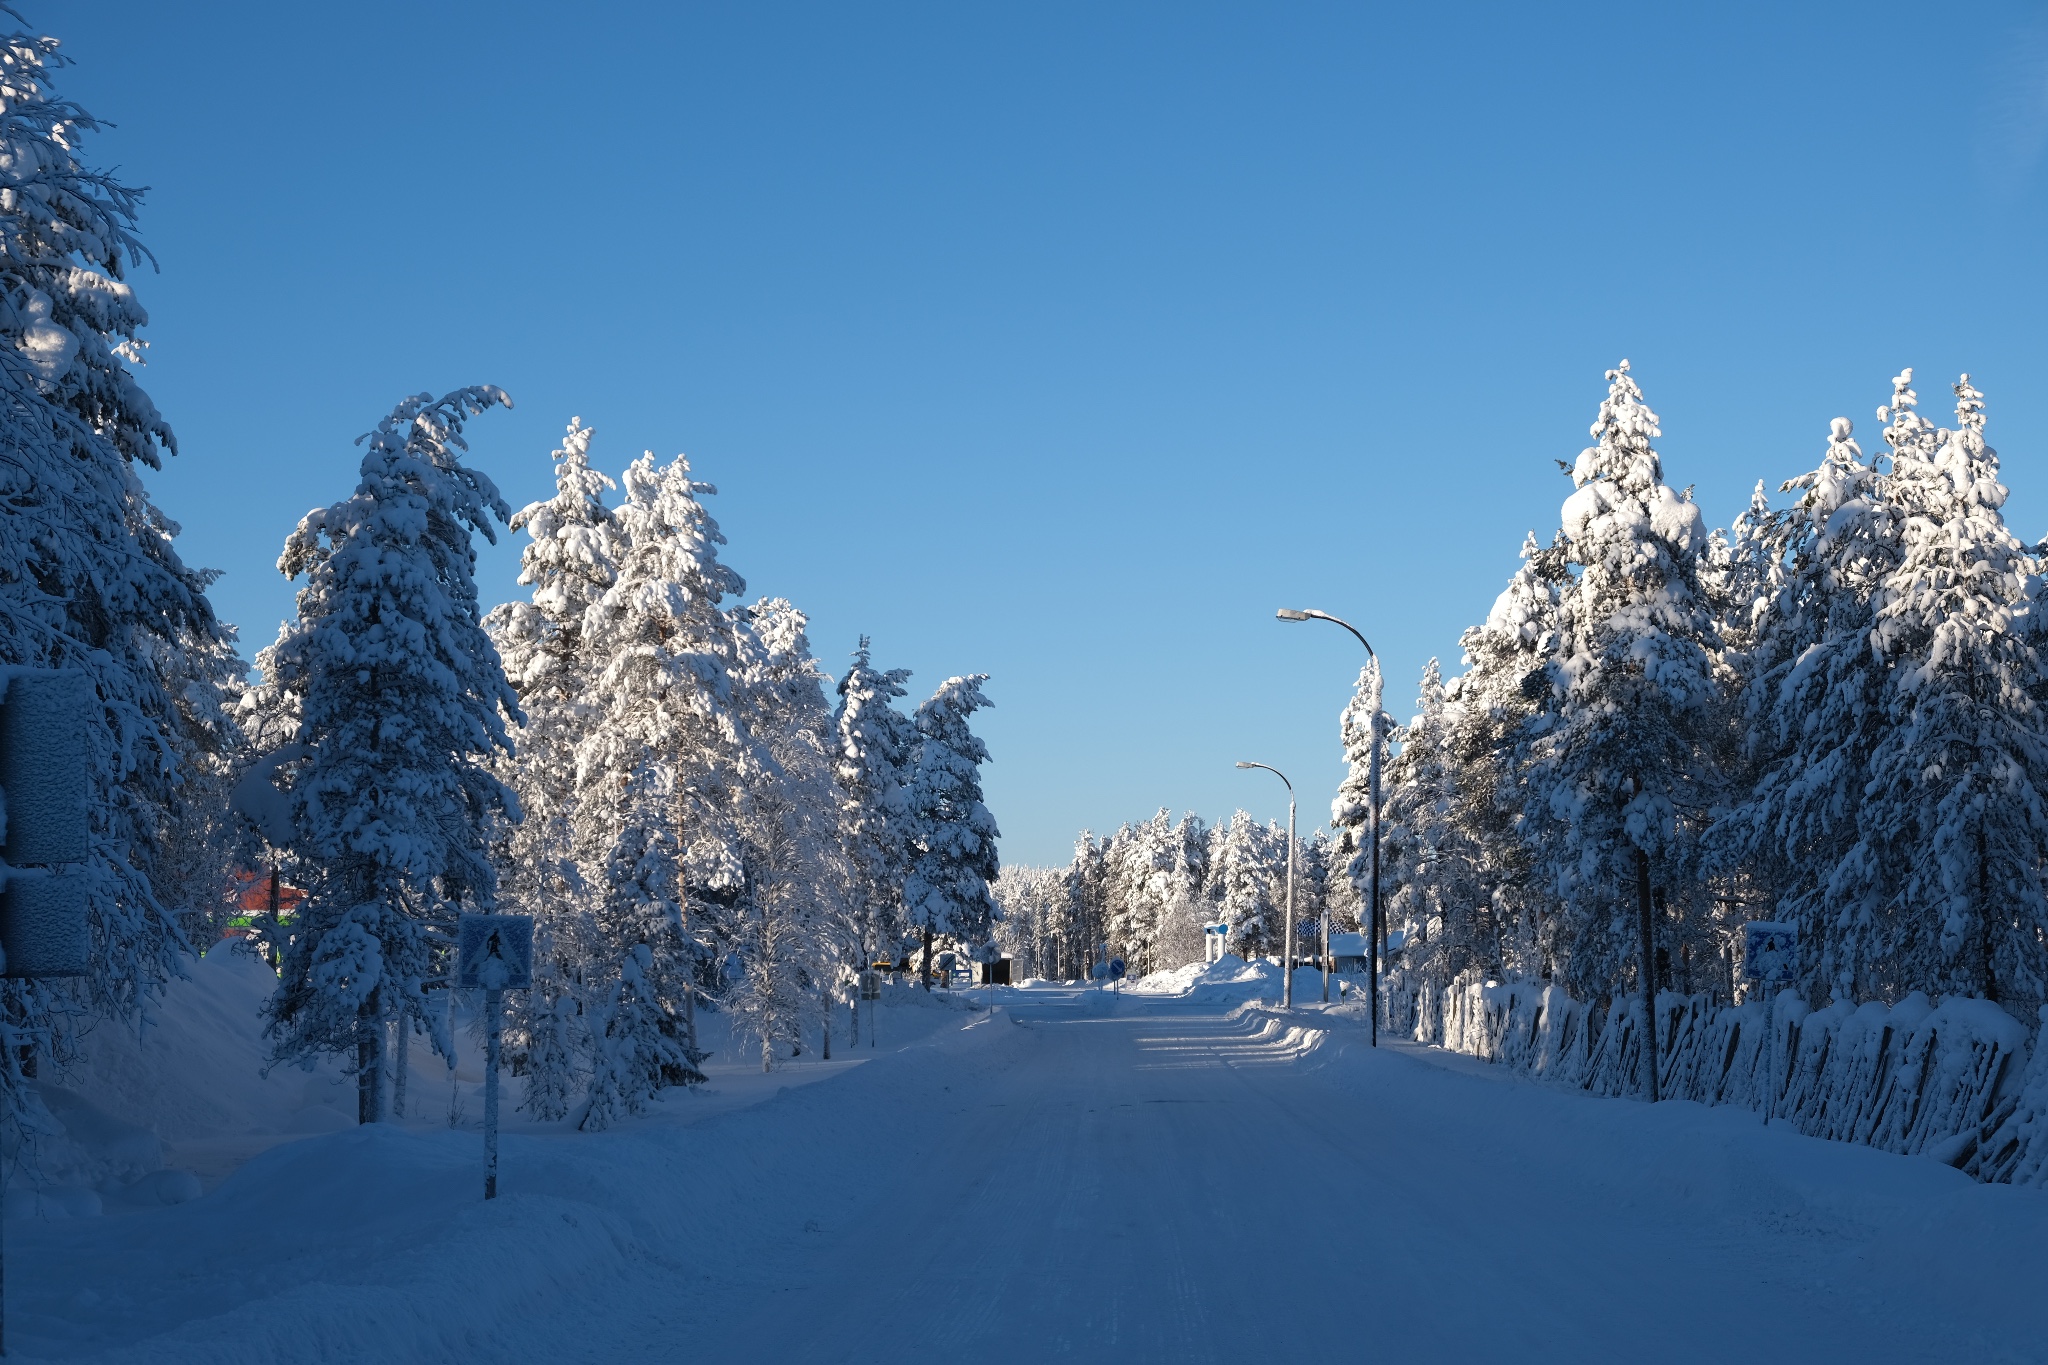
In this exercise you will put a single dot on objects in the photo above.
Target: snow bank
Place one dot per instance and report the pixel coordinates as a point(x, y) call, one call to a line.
point(1950, 1080)
point(1228, 980)
point(153, 1114)
point(374, 1243)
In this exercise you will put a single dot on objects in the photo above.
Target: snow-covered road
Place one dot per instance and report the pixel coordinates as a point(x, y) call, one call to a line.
point(1170, 1181)
point(1085, 1177)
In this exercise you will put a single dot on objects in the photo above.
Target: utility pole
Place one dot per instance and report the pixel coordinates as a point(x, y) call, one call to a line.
point(1373, 783)
point(1373, 764)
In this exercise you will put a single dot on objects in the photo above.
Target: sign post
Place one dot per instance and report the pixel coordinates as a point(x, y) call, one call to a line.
point(1770, 957)
point(493, 954)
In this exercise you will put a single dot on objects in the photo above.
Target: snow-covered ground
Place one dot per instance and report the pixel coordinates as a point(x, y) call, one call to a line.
point(1146, 1175)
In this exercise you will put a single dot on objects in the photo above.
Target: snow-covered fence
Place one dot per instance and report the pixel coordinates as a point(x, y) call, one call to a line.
point(1959, 1080)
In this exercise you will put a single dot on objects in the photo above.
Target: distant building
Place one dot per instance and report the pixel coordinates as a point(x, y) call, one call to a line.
point(1348, 953)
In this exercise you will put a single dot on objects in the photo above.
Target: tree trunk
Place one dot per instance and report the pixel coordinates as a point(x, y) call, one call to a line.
point(401, 1027)
point(369, 1061)
point(1984, 939)
point(927, 968)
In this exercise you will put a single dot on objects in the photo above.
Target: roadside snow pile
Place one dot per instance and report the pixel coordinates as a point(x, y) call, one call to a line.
point(374, 1243)
point(1949, 1080)
point(1230, 970)
point(185, 1091)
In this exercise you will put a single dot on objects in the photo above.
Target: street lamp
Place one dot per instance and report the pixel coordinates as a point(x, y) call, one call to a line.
point(1373, 782)
point(1287, 949)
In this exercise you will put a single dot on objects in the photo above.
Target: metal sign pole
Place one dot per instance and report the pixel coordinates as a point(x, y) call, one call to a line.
point(494, 953)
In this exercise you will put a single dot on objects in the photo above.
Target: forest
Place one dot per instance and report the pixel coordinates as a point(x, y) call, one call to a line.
point(1828, 715)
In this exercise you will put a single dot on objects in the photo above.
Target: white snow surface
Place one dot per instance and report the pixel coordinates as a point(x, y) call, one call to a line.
point(1154, 1174)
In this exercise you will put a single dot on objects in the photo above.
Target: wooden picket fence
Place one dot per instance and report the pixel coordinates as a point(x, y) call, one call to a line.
point(1959, 1080)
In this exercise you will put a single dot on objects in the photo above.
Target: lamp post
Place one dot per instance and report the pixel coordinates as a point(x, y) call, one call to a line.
point(1287, 947)
point(1373, 782)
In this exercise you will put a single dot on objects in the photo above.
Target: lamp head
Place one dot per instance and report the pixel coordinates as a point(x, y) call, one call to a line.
point(1246, 765)
point(1290, 614)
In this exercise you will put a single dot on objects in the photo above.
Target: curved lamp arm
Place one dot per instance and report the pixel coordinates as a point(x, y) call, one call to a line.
point(1290, 614)
point(1273, 770)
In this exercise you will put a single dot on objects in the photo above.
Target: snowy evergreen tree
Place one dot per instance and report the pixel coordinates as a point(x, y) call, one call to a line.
point(876, 745)
point(801, 934)
point(1034, 902)
point(1351, 812)
point(570, 561)
point(1955, 820)
point(1439, 880)
point(1497, 710)
point(1800, 596)
point(660, 773)
point(1142, 860)
point(1620, 772)
point(90, 578)
point(1179, 891)
point(401, 702)
point(953, 836)
point(1250, 896)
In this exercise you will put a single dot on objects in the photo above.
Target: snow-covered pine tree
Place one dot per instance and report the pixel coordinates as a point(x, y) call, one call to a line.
point(876, 742)
point(1506, 698)
point(953, 836)
point(89, 575)
point(800, 934)
point(1248, 859)
point(1798, 595)
point(1144, 857)
point(660, 772)
point(1956, 814)
point(1620, 770)
point(570, 561)
point(1351, 812)
point(1033, 901)
point(1438, 878)
point(402, 705)
point(1182, 904)
point(1086, 909)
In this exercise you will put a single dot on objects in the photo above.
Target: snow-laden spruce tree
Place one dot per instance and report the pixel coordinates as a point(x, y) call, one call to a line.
point(574, 545)
point(1033, 901)
point(1086, 912)
point(1363, 730)
point(90, 578)
point(1620, 771)
point(660, 773)
point(875, 746)
point(1141, 862)
point(953, 836)
point(402, 703)
point(1439, 880)
point(798, 934)
point(1797, 592)
point(1183, 907)
point(1248, 863)
point(1505, 700)
point(1956, 810)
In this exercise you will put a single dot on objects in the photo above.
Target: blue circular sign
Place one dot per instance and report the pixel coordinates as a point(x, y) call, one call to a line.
point(1116, 968)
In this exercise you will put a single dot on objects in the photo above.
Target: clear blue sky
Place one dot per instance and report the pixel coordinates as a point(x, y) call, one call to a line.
point(1064, 342)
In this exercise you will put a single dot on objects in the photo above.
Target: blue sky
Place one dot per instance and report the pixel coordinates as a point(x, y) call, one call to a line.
point(1065, 342)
